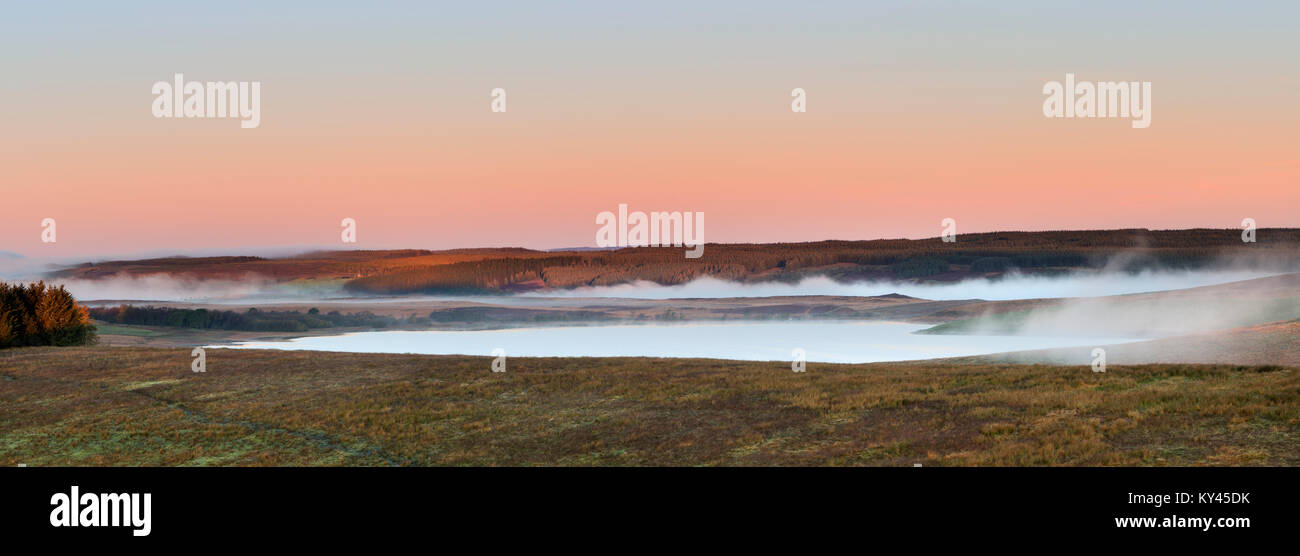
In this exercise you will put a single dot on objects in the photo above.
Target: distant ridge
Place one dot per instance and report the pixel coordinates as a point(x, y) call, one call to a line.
point(513, 269)
point(562, 249)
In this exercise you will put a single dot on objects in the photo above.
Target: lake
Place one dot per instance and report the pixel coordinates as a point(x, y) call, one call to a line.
point(824, 341)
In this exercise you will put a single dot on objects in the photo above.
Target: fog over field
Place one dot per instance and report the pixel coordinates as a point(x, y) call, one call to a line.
point(1150, 316)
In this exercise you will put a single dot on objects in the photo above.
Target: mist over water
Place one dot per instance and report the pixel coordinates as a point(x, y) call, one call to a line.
point(1165, 315)
point(1011, 286)
point(834, 342)
point(1076, 312)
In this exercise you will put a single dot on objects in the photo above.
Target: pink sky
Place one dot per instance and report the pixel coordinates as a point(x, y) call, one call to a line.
point(397, 133)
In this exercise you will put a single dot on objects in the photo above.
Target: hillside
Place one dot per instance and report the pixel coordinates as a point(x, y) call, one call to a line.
point(507, 270)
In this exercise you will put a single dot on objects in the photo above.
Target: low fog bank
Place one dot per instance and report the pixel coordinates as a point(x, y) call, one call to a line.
point(1135, 317)
point(157, 287)
point(1010, 286)
point(17, 268)
point(1113, 280)
point(1268, 345)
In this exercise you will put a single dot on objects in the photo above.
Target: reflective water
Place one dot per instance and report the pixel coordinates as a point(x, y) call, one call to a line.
point(826, 341)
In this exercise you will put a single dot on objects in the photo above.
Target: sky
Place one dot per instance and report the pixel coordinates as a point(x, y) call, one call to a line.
point(381, 112)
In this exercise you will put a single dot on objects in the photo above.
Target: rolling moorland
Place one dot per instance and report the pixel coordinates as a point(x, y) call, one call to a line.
point(143, 406)
point(411, 271)
point(1227, 396)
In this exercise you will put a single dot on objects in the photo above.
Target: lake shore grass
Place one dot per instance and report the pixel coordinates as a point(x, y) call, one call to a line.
point(126, 406)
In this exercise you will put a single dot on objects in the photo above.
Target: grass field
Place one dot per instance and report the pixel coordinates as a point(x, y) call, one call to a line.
point(125, 330)
point(143, 406)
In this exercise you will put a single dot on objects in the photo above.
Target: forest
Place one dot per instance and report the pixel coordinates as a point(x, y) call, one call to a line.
point(252, 320)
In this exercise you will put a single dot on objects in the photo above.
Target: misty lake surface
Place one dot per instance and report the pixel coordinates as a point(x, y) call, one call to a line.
point(831, 342)
point(1012, 286)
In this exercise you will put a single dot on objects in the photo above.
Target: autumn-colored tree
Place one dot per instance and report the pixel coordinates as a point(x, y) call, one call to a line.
point(38, 315)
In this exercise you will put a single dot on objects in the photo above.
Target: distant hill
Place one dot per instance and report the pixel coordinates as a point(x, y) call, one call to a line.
point(492, 270)
point(582, 249)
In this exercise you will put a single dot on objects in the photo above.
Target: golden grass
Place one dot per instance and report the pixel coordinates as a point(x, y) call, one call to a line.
point(143, 406)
